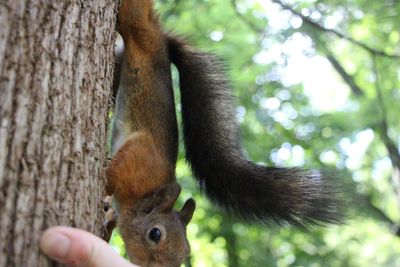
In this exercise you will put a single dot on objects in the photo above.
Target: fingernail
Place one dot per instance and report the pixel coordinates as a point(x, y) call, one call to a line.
point(54, 244)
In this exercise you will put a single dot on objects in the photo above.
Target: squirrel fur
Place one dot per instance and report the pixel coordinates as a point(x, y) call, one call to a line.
point(144, 144)
point(141, 175)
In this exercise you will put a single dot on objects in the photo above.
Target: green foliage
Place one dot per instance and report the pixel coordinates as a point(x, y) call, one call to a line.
point(295, 108)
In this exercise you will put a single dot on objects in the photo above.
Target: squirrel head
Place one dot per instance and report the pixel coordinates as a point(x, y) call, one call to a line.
point(154, 233)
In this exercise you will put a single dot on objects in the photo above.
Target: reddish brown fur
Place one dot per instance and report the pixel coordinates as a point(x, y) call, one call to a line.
point(151, 101)
point(140, 30)
point(141, 175)
point(136, 170)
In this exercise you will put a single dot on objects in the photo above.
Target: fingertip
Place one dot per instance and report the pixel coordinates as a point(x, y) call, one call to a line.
point(55, 244)
point(79, 248)
point(68, 245)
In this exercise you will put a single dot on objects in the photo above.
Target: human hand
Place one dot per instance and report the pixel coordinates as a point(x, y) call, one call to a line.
point(75, 247)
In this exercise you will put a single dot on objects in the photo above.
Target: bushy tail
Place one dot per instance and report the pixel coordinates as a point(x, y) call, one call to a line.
point(214, 151)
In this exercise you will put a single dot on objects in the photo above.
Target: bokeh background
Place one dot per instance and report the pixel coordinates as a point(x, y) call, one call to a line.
point(316, 85)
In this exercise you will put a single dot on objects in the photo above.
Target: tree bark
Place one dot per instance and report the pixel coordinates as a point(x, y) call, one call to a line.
point(56, 62)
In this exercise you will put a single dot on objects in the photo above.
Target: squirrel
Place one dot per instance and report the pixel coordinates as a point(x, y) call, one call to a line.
point(144, 146)
point(141, 175)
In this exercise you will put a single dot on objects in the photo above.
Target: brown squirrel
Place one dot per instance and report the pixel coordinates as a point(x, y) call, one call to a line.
point(141, 175)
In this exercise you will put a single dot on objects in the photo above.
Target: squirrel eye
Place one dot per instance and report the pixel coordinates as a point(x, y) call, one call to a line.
point(155, 235)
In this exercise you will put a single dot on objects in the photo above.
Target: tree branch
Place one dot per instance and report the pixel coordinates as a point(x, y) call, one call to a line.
point(346, 77)
point(382, 129)
point(357, 91)
point(383, 216)
point(173, 10)
point(244, 19)
point(316, 25)
point(390, 145)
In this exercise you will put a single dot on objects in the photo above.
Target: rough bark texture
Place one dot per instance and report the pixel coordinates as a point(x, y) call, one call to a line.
point(55, 80)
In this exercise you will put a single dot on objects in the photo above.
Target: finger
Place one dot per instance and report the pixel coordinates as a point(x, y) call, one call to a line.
point(76, 247)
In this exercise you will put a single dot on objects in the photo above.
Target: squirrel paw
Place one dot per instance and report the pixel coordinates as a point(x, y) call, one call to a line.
point(107, 203)
point(110, 217)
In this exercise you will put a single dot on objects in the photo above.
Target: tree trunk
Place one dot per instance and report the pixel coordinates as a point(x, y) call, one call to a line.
point(56, 61)
point(231, 242)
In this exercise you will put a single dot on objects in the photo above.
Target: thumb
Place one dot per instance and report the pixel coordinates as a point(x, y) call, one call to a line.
point(76, 247)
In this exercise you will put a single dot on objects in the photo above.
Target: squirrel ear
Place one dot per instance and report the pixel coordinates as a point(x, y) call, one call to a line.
point(166, 196)
point(162, 200)
point(186, 213)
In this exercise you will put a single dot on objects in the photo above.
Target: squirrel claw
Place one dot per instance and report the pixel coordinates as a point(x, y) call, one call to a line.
point(107, 203)
point(110, 217)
